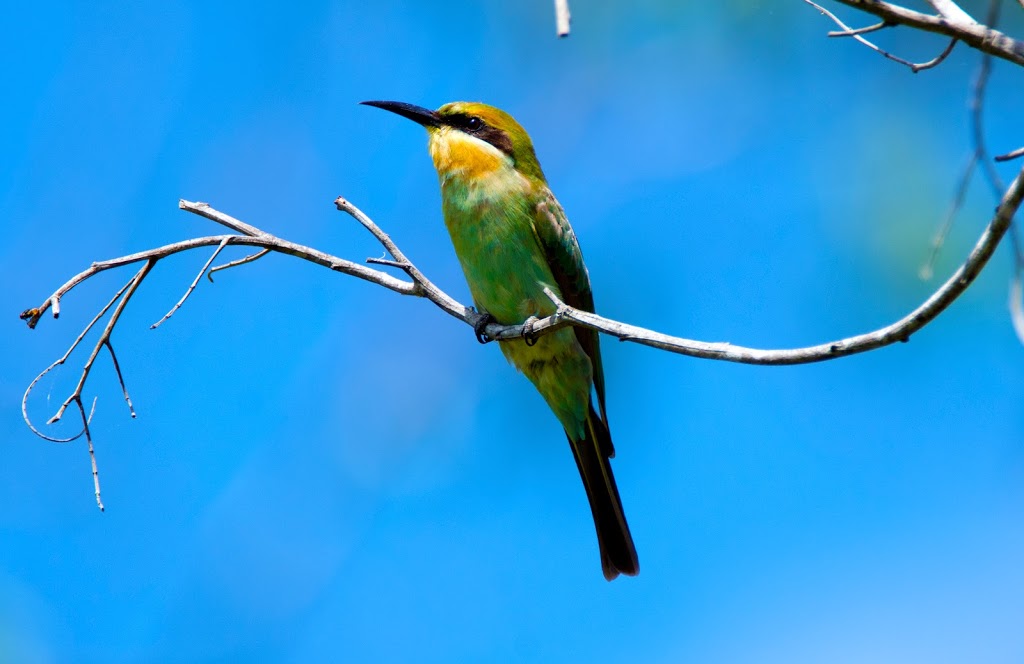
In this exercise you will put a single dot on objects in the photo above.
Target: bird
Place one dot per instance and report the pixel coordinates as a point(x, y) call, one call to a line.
point(513, 240)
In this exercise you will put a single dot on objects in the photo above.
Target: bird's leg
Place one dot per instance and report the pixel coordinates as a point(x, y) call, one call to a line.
point(480, 325)
point(529, 336)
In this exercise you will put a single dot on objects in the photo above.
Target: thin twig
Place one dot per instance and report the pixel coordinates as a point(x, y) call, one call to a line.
point(60, 361)
point(562, 17)
point(975, 35)
point(859, 31)
point(390, 263)
point(132, 287)
point(951, 11)
point(92, 451)
point(937, 60)
point(192, 286)
point(928, 269)
point(120, 378)
point(241, 261)
point(1019, 152)
point(856, 34)
point(123, 296)
point(264, 240)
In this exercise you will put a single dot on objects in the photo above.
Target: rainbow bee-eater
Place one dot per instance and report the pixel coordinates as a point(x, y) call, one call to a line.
point(513, 240)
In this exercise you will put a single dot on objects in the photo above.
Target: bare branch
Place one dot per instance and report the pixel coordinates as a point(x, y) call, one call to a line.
point(423, 286)
point(192, 286)
point(975, 35)
point(900, 331)
point(261, 239)
point(856, 34)
point(92, 451)
point(562, 17)
point(133, 285)
point(60, 361)
point(928, 269)
point(859, 31)
point(120, 379)
point(241, 261)
point(1019, 152)
point(992, 175)
point(390, 263)
point(564, 315)
point(951, 11)
point(937, 60)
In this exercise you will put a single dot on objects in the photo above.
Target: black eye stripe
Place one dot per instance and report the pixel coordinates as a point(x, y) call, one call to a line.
point(475, 126)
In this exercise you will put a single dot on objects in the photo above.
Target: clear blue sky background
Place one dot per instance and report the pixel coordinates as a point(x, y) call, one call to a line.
point(324, 471)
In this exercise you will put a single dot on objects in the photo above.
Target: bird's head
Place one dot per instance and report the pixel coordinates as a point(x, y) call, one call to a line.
point(470, 139)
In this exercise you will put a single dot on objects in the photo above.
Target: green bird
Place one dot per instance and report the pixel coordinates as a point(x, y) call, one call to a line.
point(513, 240)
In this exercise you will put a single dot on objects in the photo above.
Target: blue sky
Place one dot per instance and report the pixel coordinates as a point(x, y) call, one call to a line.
point(325, 471)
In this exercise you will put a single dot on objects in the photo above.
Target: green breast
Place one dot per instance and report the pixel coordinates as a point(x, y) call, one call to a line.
point(491, 226)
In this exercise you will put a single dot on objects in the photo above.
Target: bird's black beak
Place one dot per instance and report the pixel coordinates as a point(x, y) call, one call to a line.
point(423, 116)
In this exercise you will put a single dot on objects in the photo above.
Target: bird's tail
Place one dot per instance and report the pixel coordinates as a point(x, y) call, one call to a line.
point(592, 453)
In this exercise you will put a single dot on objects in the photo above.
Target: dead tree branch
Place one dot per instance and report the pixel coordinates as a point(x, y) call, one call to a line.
point(949, 22)
point(419, 285)
point(957, 24)
point(856, 33)
point(562, 17)
point(1019, 152)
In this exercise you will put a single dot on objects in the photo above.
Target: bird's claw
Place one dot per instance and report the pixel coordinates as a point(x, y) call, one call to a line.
point(529, 336)
point(480, 326)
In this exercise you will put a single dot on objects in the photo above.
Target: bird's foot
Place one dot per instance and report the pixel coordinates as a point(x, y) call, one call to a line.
point(480, 326)
point(529, 336)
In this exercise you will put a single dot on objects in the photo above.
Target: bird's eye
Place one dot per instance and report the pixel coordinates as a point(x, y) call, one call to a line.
point(474, 124)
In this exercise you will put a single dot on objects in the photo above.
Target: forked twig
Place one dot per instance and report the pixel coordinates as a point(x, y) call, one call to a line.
point(981, 37)
point(856, 33)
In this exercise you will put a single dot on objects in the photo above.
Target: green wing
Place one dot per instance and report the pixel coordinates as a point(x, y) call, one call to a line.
point(565, 259)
